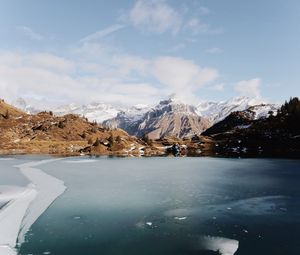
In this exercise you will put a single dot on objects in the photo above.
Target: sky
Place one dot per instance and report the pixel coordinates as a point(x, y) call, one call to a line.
point(130, 52)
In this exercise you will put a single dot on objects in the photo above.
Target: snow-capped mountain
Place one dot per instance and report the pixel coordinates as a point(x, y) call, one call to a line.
point(128, 119)
point(98, 112)
point(263, 110)
point(169, 118)
point(217, 111)
point(25, 106)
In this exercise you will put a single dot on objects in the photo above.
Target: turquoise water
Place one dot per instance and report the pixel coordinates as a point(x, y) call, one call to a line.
point(166, 206)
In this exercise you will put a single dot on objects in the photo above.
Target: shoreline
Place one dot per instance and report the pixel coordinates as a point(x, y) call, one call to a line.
point(117, 155)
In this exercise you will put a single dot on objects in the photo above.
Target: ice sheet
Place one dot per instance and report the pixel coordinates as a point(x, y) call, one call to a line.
point(11, 217)
point(49, 188)
point(26, 204)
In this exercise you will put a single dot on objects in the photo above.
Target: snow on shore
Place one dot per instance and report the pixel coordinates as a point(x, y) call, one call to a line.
point(26, 205)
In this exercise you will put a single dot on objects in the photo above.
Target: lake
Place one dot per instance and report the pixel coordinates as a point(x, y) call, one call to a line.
point(160, 206)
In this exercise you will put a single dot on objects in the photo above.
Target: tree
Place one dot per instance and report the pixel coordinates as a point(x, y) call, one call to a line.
point(61, 124)
point(97, 142)
point(271, 113)
point(7, 115)
point(118, 139)
point(94, 130)
point(291, 108)
point(111, 141)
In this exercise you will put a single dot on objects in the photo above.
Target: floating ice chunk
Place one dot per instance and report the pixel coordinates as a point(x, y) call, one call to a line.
point(222, 245)
point(180, 218)
point(149, 223)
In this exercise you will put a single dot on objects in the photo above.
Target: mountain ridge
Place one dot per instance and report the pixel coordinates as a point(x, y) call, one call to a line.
point(169, 117)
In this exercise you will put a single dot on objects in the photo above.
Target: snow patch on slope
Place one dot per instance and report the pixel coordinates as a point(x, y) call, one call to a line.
point(217, 111)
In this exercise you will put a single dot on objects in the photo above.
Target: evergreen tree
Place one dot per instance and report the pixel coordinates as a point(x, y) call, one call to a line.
point(97, 142)
point(111, 141)
point(7, 115)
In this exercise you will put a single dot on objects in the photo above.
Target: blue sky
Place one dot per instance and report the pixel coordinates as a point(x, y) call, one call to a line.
point(131, 52)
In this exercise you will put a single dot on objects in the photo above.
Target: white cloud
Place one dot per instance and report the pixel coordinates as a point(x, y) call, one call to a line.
point(41, 75)
point(159, 16)
point(102, 33)
point(182, 77)
point(198, 27)
point(218, 87)
point(30, 33)
point(50, 62)
point(155, 15)
point(127, 64)
point(250, 88)
point(116, 78)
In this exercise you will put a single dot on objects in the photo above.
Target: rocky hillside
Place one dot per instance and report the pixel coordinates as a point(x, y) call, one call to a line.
point(7, 111)
point(140, 119)
point(242, 119)
point(241, 134)
point(168, 118)
point(69, 134)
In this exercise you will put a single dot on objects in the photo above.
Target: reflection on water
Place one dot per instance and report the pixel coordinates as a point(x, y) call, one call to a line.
point(170, 206)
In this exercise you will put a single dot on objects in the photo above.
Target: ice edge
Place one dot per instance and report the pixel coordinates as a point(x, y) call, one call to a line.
point(26, 207)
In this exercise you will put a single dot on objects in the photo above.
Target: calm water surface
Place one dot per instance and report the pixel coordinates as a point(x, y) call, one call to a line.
point(165, 206)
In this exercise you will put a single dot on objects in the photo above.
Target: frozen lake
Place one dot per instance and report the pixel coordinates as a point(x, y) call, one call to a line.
point(161, 206)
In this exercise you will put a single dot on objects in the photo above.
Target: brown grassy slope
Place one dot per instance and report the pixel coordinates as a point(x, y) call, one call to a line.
point(6, 109)
point(69, 134)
